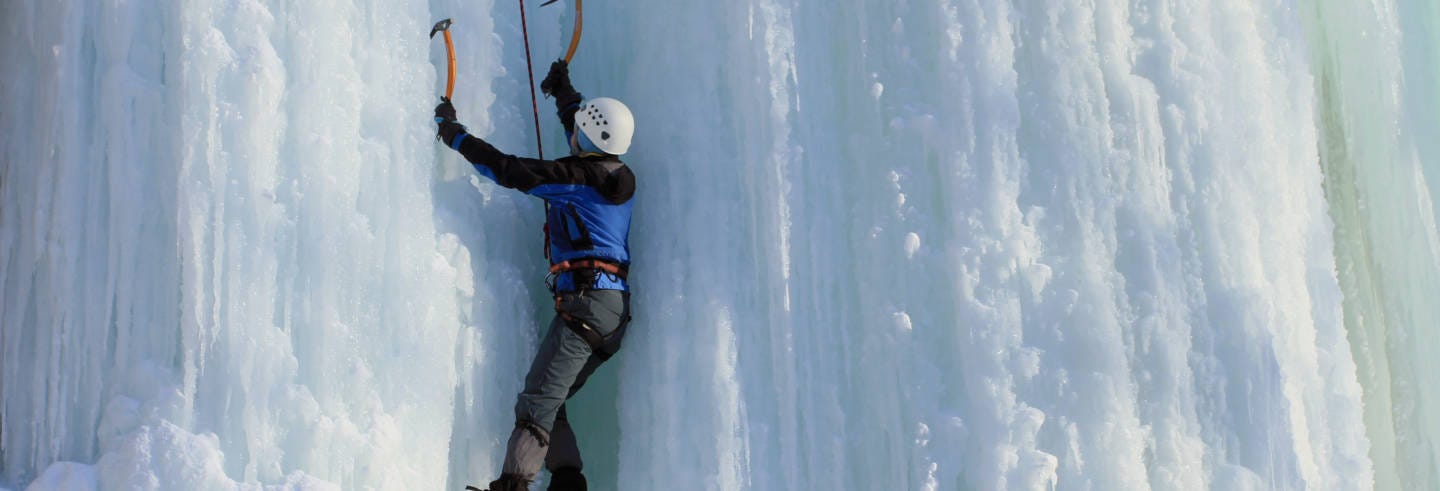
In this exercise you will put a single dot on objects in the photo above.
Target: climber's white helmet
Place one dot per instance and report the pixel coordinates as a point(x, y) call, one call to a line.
point(607, 123)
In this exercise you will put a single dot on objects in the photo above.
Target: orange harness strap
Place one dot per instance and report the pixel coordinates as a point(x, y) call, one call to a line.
point(596, 264)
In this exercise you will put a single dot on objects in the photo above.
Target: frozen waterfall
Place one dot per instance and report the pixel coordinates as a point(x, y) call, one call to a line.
point(907, 244)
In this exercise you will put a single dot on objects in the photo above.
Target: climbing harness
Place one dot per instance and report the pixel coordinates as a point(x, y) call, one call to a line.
point(581, 328)
point(619, 270)
point(586, 271)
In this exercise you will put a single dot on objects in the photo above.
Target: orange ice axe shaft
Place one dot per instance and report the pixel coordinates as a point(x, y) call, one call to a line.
point(444, 26)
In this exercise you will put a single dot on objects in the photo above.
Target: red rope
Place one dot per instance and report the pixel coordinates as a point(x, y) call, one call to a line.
point(534, 106)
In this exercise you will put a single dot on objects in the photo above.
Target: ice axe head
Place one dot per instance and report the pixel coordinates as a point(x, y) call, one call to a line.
point(443, 25)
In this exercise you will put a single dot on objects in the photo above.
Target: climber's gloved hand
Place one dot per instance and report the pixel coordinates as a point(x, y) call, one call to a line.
point(447, 128)
point(557, 82)
point(445, 111)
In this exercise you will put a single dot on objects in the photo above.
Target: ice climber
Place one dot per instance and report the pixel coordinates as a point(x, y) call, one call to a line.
point(587, 222)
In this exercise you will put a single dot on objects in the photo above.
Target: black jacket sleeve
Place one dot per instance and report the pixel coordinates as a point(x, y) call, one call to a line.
point(511, 171)
point(610, 177)
point(567, 102)
point(567, 99)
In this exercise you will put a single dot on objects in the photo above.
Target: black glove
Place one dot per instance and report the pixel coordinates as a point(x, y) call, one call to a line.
point(445, 111)
point(447, 126)
point(447, 131)
point(558, 80)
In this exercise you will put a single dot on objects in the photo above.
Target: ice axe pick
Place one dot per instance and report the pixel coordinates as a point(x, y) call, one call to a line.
point(444, 26)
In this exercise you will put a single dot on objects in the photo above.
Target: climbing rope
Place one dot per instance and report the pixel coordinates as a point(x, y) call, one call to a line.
point(530, 69)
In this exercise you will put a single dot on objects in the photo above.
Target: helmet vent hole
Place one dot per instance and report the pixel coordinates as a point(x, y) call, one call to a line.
point(604, 135)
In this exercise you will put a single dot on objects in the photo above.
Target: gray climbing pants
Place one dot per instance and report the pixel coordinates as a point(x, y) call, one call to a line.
point(572, 349)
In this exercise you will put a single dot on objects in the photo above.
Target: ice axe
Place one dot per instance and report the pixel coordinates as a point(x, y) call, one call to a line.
point(444, 26)
point(574, 38)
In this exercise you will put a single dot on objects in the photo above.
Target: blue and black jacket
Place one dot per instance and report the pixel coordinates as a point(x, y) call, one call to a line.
point(587, 203)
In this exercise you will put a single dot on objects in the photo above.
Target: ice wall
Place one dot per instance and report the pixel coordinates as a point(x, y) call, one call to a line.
point(922, 244)
point(999, 247)
point(221, 261)
point(1380, 156)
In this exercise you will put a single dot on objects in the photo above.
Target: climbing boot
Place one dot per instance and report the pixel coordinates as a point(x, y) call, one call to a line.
point(509, 482)
point(566, 479)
